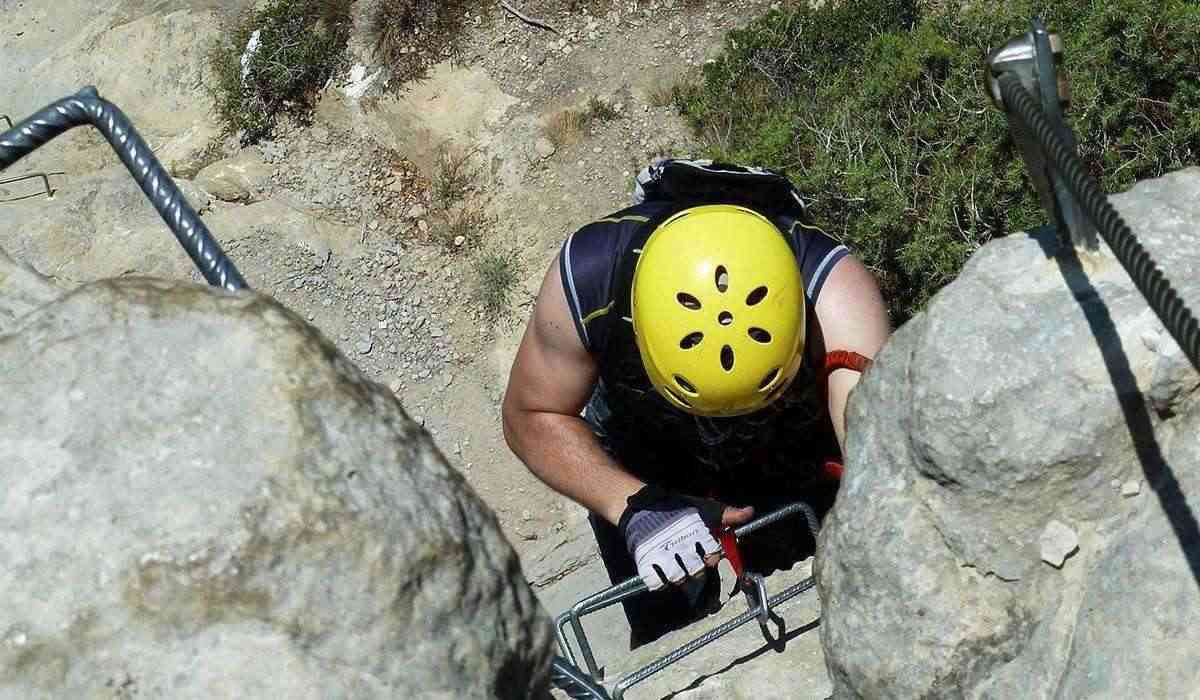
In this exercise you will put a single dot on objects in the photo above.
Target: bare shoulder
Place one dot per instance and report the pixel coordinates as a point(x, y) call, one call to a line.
point(552, 371)
point(851, 309)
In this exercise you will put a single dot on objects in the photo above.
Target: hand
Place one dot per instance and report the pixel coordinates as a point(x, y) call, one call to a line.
point(669, 534)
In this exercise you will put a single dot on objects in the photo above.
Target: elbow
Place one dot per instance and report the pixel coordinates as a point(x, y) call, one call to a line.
point(510, 422)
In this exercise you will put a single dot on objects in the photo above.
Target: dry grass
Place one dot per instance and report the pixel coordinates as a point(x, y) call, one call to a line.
point(566, 127)
point(412, 35)
point(467, 223)
point(455, 174)
point(661, 92)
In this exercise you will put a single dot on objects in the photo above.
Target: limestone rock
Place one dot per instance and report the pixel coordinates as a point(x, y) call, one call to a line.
point(978, 425)
point(241, 178)
point(187, 153)
point(21, 291)
point(544, 148)
point(101, 226)
point(1058, 542)
point(147, 58)
point(202, 498)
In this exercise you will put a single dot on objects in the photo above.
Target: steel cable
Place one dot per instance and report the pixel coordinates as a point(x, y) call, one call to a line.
point(1146, 275)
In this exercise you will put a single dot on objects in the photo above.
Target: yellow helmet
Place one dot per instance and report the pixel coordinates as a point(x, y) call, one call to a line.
point(718, 310)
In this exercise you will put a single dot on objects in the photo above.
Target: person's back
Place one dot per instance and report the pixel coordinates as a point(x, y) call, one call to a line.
point(693, 328)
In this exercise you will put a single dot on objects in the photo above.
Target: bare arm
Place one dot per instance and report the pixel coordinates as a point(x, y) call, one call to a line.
point(852, 317)
point(552, 378)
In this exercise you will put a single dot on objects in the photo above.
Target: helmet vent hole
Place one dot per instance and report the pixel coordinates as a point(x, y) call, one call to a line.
point(727, 358)
point(688, 301)
point(691, 340)
point(760, 335)
point(679, 397)
point(766, 381)
point(722, 279)
point(724, 318)
point(686, 385)
point(756, 296)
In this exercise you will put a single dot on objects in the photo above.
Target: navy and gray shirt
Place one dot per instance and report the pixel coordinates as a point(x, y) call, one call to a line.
point(650, 437)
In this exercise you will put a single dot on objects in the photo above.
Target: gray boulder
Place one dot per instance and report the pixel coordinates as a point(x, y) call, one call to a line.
point(201, 498)
point(1027, 393)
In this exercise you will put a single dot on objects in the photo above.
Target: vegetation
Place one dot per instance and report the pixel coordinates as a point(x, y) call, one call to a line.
point(876, 111)
point(455, 174)
point(567, 126)
point(409, 36)
point(301, 44)
point(497, 276)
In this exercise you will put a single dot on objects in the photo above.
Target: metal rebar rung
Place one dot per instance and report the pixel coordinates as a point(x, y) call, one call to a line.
point(87, 108)
point(634, 586)
point(707, 638)
point(49, 191)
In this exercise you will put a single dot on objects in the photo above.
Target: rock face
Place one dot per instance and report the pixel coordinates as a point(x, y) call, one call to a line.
point(147, 58)
point(201, 498)
point(1016, 406)
point(21, 291)
point(101, 225)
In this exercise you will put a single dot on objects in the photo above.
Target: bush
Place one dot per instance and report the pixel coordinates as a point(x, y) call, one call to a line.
point(301, 45)
point(498, 273)
point(875, 109)
point(412, 35)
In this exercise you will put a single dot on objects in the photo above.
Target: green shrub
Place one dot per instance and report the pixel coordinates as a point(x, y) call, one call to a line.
point(301, 45)
point(412, 35)
point(876, 111)
point(497, 276)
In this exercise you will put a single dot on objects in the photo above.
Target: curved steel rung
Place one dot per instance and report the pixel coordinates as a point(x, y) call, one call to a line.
point(759, 607)
point(49, 191)
point(8, 119)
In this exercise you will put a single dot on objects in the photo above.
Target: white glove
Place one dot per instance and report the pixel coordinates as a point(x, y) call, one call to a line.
point(669, 546)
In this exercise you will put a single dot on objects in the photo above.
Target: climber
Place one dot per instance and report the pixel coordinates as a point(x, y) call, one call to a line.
point(679, 371)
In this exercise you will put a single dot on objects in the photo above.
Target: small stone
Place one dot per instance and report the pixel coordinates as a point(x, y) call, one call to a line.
point(459, 241)
point(436, 332)
point(1131, 488)
point(597, 149)
point(526, 515)
point(1115, 483)
point(417, 211)
point(544, 147)
point(1058, 542)
point(419, 420)
point(365, 345)
point(374, 226)
point(423, 225)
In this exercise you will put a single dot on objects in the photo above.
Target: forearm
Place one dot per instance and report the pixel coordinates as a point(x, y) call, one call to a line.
point(562, 451)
